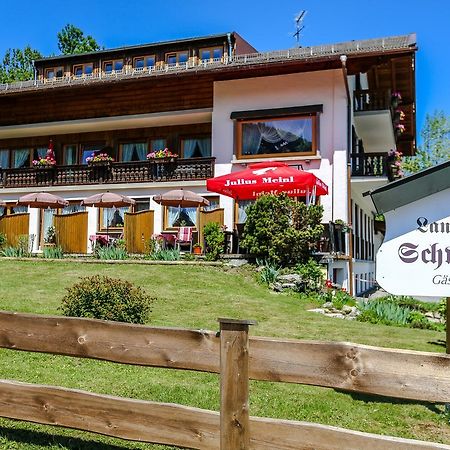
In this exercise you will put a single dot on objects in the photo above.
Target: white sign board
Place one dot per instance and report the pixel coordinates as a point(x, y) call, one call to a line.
point(414, 258)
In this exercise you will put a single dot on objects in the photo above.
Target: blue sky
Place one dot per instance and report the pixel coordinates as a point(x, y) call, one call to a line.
point(267, 25)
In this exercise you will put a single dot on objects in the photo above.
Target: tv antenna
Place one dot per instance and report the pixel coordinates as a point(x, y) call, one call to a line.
point(299, 26)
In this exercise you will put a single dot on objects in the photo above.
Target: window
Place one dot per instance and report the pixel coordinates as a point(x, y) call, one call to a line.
point(241, 210)
point(39, 153)
point(142, 204)
point(89, 149)
point(4, 159)
point(199, 147)
point(54, 72)
point(209, 54)
point(158, 144)
point(134, 151)
point(110, 66)
point(20, 158)
point(277, 137)
point(70, 154)
point(142, 62)
point(73, 207)
point(112, 217)
point(83, 69)
point(176, 58)
point(175, 217)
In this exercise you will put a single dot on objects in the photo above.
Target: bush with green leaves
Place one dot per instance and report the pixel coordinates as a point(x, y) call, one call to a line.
point(282, 230)
point(312, 274)
point(383, 311)
point(102, 297)
point(338, 297)
point(22, 249)
point(214, 240)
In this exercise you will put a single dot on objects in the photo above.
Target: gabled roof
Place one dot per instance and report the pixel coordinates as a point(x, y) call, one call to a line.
point(412, 188)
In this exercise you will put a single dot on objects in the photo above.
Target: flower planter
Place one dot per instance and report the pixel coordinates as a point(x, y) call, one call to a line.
point(197, 250)
point(44, 167)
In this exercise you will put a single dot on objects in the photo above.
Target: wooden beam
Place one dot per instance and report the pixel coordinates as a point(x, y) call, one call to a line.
point(234, 385)
point(178, 425)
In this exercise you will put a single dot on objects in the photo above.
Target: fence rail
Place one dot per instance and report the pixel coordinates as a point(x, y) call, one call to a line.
point(390, 372)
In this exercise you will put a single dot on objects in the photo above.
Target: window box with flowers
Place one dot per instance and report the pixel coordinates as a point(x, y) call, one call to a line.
point(394, 165)
point(47, 162)
point(399, 129)
point(101, 159)
point(162, 155)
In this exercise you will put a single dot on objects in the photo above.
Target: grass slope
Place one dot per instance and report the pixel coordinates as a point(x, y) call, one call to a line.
point(194, 297)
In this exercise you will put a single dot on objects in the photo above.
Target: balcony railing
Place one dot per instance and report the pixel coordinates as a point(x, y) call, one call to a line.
point(116, 172)
point(371, 100)
point(369, 165)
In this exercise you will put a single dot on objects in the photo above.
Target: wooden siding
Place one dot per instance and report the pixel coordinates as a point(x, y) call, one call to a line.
point(138, 230)
point(107, 100)
point(216, 216)
point(72, 231)
point(14, 226)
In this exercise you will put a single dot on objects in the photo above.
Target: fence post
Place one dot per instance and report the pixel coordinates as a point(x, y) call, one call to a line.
point(234, 415)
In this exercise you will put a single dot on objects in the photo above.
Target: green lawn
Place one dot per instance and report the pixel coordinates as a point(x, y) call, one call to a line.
point(194, 297)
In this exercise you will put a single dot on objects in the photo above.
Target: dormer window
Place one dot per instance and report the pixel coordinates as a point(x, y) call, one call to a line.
point(80, 70)
point(54, 72)
point(177, 58)
point(212, 53)
point(115, 65)
point(142, 62)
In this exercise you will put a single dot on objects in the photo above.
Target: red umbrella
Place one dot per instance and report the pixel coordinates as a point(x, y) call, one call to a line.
point(42, 200)
point(267, 178)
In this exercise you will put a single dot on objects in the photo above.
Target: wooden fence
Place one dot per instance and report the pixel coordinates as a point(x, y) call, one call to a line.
point(14, 226)
point(238, 358)
point(72, 231)
point(138, 230)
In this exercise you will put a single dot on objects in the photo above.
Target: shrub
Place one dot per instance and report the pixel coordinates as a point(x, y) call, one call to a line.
point(21, 249)
point(312, 275)
point(53, 252)
point(101, 297)
point(282, 230)
point(214, 240)
point(337, 297)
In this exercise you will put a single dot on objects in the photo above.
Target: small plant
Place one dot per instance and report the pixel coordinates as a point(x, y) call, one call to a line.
point(345, 227)
point(165, 255)
point(50, 236)
point(338, 297)
point(48, 160)
point(112, 252)
point(384, 312)
point(53, 253)
point(214, 240)
point(3, 240)
point(269, 272)
point(10, 252)
point(102, 297)
point(312, 275)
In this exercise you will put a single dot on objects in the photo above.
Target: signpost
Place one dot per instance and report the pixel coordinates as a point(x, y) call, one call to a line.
point(414, 258)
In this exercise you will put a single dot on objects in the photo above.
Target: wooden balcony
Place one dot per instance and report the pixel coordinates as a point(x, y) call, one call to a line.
point(110, 173)
point(369, 165)
point(371, 100)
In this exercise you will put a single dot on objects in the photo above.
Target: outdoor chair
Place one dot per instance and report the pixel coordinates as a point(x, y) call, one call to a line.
point(184, 237)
